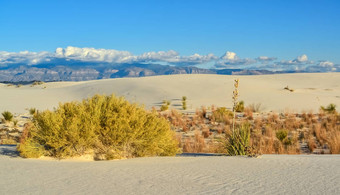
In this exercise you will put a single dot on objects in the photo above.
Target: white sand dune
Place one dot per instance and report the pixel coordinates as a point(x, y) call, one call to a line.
point(310, 91)
point(270, 174)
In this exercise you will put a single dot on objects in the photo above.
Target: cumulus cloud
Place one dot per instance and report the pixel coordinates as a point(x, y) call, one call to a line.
point(24, 57)
point(324, 66)
point(231, 59)
point(300, 60)
point(229, 56)
point(102, 55)
point(94, 55)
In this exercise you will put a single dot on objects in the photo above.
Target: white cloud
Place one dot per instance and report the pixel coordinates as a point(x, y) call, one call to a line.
point(75, 55)
point(230, 58)
point(102, 55)
point(300, 60)
point(326, 64)
point(92, 54)
point(24, 57)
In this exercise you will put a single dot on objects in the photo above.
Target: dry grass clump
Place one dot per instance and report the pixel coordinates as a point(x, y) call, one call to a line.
point(255, 107)
point(107, 126)
point(284, 133)
point(248, 112)
point(195, 144)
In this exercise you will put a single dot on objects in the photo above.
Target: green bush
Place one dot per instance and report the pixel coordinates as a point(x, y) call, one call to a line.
point(184, 102)
point(239, 106)
point(221, 113)
point(32, 111)
point(282, 134)
point(106, 126)
point(331, 108)
point(8, 116)
point(238, 143)
point(165, 105)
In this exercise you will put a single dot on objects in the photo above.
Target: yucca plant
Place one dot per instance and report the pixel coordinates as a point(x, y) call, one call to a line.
point(32, 111)
point(8, 116)
point(184, 102)
point(238, 144)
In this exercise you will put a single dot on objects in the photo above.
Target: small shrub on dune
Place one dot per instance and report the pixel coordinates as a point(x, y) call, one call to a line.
point(239, 106)
point(221, 114)
point(282, 134)
point(32, 111)
point(165, 105)
point(248, 113)
point(331, 108)
point(195, 144)
point(8, 116)
point(107, 126)
point(184, 102)
point(255, 107)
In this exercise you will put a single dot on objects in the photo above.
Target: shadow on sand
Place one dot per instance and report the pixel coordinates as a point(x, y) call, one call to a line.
point(9, 150)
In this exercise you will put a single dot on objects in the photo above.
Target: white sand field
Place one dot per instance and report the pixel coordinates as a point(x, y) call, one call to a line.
point(310, 91)
point(270, 174)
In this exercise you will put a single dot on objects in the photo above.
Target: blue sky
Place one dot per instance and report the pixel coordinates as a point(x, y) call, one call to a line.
point(283, 29)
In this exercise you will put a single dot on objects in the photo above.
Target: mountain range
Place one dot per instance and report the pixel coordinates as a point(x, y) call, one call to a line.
point(86, 71)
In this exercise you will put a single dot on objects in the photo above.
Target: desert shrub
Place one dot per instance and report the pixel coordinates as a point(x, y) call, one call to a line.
point(195, 144)
point(31, 149)
point(221, 114)
point(37, 83)
point(289, 89)
point(255, 107)
point(239, 106)
point(329, 109)
point(8, 116)
point(248, 113)
point(238, 143)
point(184, 102)
point(32, 111)
point(165, 105)
point(281, 134)
point(15, 123)
point(108, 126)
point(8, 142)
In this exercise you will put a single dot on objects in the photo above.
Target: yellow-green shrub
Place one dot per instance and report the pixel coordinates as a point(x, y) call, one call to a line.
point(106, 125)
point(221, 114)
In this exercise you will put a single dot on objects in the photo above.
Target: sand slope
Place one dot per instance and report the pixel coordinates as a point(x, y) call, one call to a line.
point(310, 91)
point(270, 174)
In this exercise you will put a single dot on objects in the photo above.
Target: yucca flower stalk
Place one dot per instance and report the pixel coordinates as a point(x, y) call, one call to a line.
point(235, 97)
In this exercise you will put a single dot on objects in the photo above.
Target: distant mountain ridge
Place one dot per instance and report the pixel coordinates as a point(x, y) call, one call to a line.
point(86, 71)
